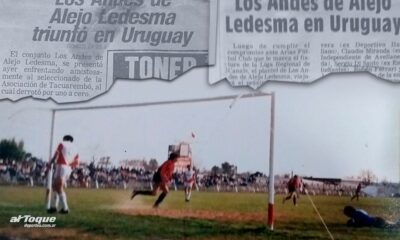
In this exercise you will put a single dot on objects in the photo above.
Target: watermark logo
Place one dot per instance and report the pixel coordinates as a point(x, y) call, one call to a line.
point(32, 221)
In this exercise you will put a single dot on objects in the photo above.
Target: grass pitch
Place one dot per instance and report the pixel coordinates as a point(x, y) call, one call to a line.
point(109, 214)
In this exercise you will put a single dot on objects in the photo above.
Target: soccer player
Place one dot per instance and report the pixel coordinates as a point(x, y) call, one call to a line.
point(64, 159)
point(357, 192)
point(161, 180)
point(360, 218)
point(293, 186)
point(189, 179)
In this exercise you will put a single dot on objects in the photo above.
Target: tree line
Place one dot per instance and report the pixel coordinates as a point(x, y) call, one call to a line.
point(12, 150)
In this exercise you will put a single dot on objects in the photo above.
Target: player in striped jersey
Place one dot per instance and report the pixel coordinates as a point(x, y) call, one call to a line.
point(64, 159)
point(189, 179)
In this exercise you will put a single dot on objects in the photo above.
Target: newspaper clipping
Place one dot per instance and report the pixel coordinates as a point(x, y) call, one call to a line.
point(200, 119)
point(73, 50)
point(304, 40)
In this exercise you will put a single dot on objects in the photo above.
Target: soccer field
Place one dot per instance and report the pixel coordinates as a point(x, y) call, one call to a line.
point(109, 214)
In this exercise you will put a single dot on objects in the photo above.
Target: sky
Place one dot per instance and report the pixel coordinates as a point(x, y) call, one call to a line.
point(220, 133)
point(335, 127)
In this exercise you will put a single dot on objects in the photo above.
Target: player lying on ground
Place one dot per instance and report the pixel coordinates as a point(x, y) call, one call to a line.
point(360, 218)
point(293, 186)
point(161, 180)
point(189, 180)
point(64, 159)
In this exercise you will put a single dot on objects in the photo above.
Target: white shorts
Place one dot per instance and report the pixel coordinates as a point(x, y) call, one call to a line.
point(188, 184)
point(63, 172)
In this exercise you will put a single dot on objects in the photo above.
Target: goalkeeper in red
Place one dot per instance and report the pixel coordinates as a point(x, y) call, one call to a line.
point(161, 180)
point(293, 186)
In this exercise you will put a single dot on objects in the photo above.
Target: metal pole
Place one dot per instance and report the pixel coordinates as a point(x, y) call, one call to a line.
point(271, 190)
point(50, 171)
point(160, 103)
point(53, 114)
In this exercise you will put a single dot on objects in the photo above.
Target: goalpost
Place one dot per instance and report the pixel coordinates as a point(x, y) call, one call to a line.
point(271, 112)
